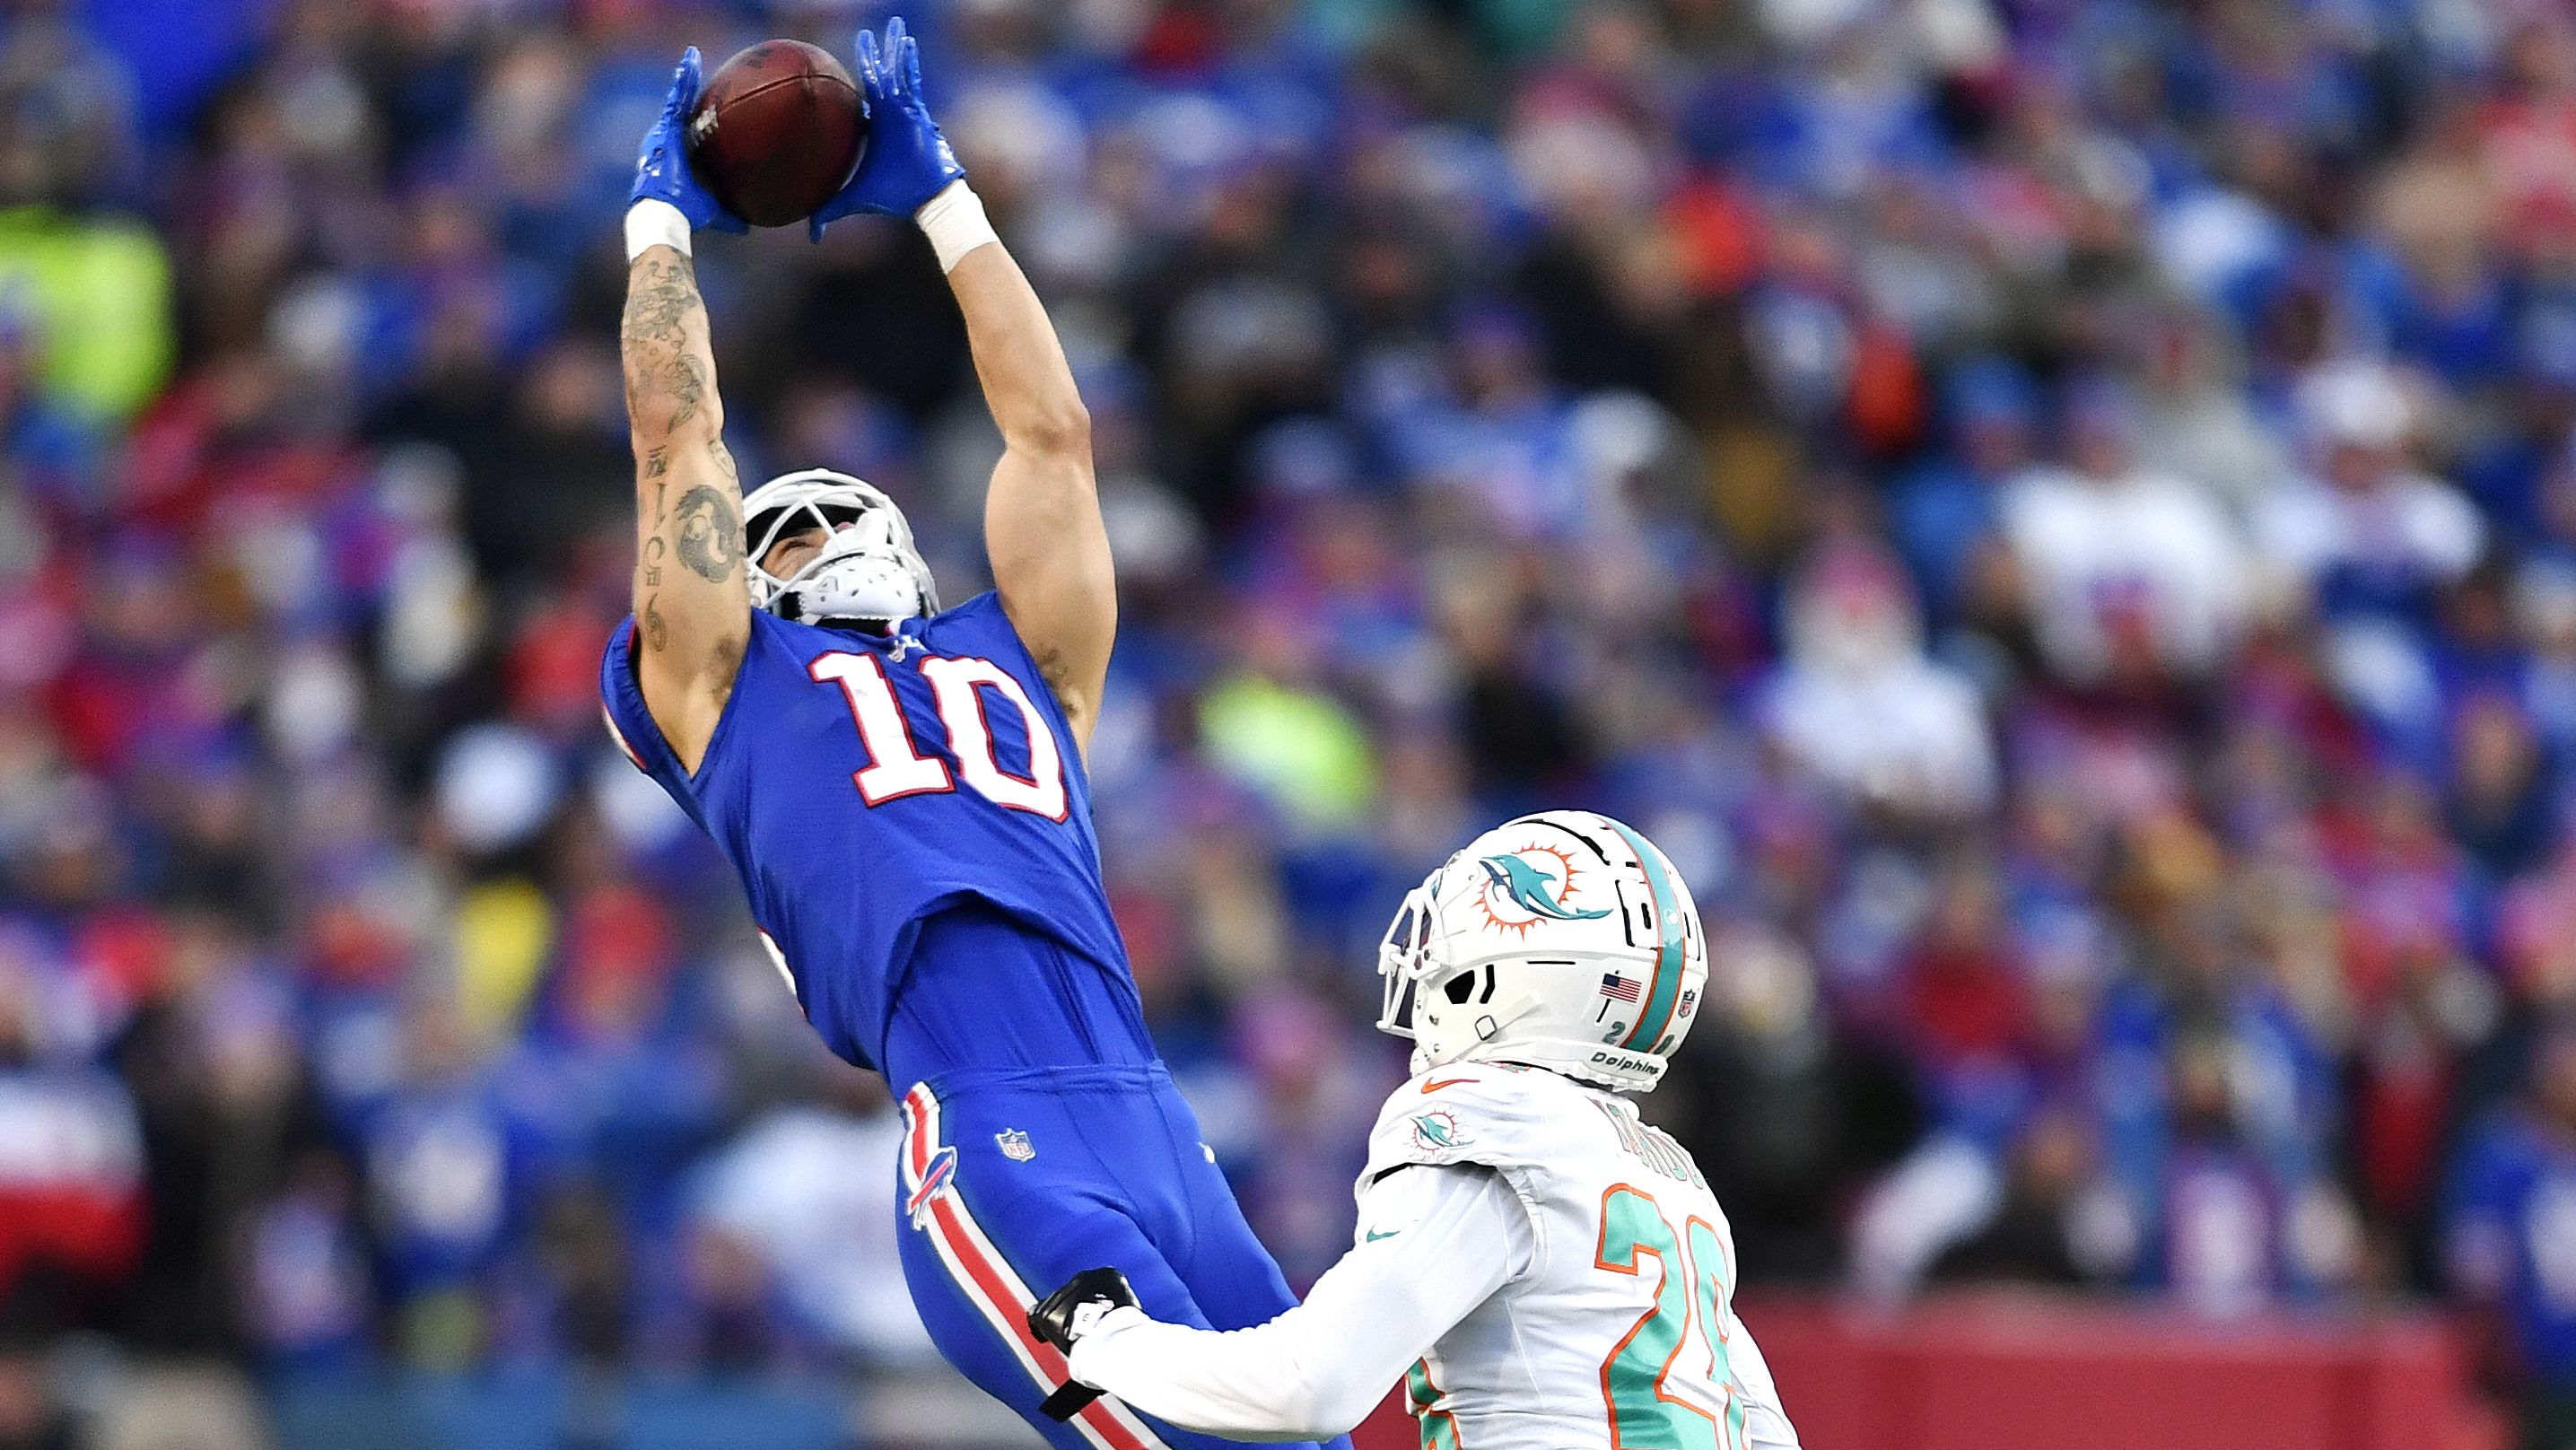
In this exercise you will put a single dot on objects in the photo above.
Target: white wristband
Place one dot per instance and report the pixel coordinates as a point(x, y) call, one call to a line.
point(655, 223)
point(954, 221)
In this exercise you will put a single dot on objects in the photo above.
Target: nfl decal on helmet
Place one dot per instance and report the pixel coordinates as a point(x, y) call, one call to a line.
point(1562, 940)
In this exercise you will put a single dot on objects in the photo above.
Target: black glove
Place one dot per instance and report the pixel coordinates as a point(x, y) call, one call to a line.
point(1058, 1319)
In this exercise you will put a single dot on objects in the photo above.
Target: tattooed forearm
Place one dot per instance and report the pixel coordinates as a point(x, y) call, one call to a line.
point(661, 300)
point(688, 495)
point(710, 533)
point(663, 339)
point(684, 382)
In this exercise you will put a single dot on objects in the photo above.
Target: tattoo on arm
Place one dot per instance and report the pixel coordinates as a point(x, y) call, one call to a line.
point(663, 339)
point(676, 420)
point(661, 292)
point(710, 534)
point(685, 381)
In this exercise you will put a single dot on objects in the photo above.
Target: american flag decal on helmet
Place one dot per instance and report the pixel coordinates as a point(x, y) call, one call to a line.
point(1620, 988)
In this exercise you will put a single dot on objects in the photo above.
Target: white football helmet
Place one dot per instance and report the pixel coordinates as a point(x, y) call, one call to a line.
point(1562, 940)
point(867, 570)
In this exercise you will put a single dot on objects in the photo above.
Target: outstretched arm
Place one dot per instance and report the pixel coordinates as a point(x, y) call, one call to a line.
point(692, 607)
point(1440, 1242)
point(1042, 523)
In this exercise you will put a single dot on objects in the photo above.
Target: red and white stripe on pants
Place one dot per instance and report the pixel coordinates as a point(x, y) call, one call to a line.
point(988, 1281)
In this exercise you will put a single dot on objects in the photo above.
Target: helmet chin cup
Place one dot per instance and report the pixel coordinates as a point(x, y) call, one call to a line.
point(858, 575)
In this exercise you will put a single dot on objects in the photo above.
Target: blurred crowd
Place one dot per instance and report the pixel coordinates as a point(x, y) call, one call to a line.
point(2059, 515)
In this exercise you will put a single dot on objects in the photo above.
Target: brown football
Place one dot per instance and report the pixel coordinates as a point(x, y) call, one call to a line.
point(776, 132)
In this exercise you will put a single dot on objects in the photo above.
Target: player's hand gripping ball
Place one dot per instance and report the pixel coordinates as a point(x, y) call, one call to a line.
point(661, 167)
point(777, 132)
point(907, 162)
point(1076, 1306)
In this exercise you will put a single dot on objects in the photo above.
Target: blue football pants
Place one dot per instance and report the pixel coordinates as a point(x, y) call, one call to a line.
point(1015, 1180)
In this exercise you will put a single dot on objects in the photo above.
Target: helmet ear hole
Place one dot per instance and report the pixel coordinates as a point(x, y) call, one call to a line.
point(1459, 988)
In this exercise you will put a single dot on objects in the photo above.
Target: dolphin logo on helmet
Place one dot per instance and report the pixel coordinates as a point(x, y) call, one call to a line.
point(1527, 886)
point(1491, 959)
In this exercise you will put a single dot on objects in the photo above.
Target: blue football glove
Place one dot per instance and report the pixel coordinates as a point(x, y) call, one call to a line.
point(907, 162)
point(662, 167)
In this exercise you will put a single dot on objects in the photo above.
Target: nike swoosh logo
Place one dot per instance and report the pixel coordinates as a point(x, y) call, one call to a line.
point(1374, 1235)
point(1436, 1084)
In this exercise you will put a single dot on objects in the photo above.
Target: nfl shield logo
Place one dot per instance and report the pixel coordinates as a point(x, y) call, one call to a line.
point(1015, 1145)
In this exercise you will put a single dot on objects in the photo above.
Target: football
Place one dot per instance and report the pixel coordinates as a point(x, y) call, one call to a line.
point(776, 132)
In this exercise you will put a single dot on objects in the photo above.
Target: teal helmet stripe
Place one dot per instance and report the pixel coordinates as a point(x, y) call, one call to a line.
point(1670, 953)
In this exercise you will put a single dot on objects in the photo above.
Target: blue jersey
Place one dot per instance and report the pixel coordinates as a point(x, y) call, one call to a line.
point(864, 785)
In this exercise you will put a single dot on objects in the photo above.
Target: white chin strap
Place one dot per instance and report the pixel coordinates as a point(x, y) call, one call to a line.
point(857, 575)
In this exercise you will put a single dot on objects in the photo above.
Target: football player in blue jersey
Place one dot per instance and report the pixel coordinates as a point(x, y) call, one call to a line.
point(901, 787)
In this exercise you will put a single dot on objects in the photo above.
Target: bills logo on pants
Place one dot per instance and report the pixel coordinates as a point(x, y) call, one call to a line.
point(986, 1279)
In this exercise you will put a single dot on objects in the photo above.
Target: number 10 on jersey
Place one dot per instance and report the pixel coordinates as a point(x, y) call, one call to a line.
point(1636, 1379)
point(959, 685)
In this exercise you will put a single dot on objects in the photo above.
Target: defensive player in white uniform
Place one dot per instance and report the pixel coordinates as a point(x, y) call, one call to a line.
point(1555, 1273)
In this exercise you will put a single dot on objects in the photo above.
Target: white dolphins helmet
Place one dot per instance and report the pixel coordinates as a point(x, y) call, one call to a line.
point(1562, 940)
point(867, 570)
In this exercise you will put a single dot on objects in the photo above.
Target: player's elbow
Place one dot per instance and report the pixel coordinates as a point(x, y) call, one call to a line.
point(1060, 430)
